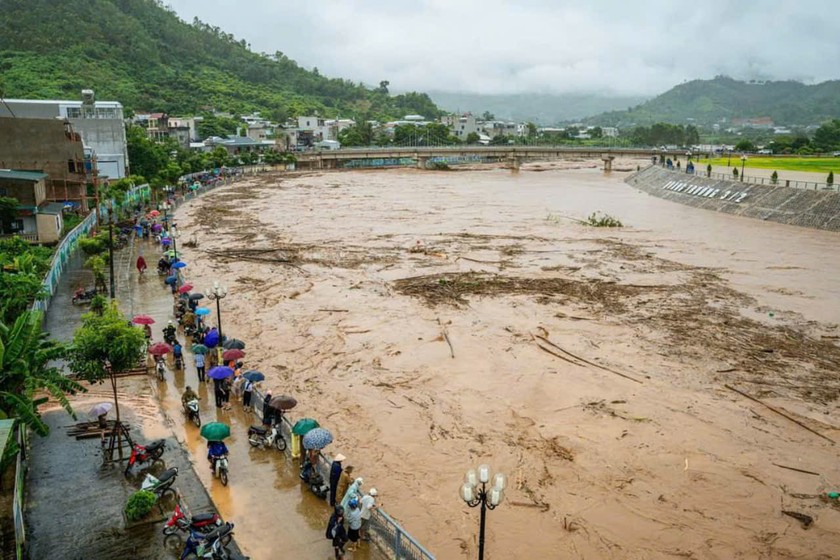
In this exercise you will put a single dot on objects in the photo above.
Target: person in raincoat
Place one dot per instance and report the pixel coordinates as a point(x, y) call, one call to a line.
point(354, 492)
point(344, 481)
point(141, 264)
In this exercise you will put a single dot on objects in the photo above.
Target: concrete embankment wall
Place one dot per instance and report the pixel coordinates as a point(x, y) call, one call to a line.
point(786, 205)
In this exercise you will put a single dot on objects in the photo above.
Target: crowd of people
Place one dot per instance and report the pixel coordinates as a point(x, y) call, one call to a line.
point(352, 507)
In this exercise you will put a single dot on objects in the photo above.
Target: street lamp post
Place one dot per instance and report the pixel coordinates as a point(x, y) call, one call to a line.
point(743, 163)
point(218, 293)
point(475, 495)
point(112, 281)
point(729, 161)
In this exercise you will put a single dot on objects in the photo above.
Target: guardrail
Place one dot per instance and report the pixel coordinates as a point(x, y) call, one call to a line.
point(385, 532)
point(18, 502)
point(806, 185)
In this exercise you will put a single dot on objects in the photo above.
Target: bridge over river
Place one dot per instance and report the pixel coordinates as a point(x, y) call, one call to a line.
point(422, 155)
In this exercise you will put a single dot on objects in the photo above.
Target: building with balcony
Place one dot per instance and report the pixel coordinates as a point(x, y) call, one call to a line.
point(37, 220)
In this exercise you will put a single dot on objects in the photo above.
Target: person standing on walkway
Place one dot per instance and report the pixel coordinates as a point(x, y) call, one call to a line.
point(336, 531)
point(344, 481)
point(354, 523)
point(267, 413)
point(217, 391)
point(335, 476)
point(199, 367)
point(141, 264)
point(368, 505)
point(247, 388)
point(354, 492)
point(225, 385)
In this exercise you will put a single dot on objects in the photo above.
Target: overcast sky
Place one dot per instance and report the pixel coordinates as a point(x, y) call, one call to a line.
point(493, 46)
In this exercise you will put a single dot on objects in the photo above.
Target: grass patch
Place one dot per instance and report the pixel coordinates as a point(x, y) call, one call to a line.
point(808, 164)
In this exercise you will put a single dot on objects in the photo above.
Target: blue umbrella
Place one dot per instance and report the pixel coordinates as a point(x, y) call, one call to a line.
point(253, 376)
point(202, 311)
point(212, 339)
point(220, 372)
point(170, 279)
point(138, 228)
point(179, 264)
point(165, 241)
point(317, 438)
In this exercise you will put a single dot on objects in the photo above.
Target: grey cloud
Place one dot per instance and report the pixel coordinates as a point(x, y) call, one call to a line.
point(494, 46)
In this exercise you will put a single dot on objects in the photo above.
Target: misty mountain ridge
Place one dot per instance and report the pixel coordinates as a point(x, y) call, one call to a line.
point(724, 99)
point(541, 108)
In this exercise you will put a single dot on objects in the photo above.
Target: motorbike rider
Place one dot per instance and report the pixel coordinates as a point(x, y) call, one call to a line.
point(163, 265)
point(216, 450)
point(169, 332)
point(178, 354)
point(189, 395)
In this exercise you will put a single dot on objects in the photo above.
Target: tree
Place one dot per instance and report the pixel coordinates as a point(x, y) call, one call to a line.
point(735, 172)
point(532, 130)
point(104, 346)
point(383, 87)
point(472, 138)
point(596, 132)
point(774, 178)
point(827, 136)
point(830, 179)
point(8, 213)
point(96, 264)
point(709, 170)
point(25, 355)
point(745, 146)
point(488, 116)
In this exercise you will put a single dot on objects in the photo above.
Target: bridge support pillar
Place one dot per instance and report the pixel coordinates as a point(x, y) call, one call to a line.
point(422, 162)
point(515, 162)
point(607, 159)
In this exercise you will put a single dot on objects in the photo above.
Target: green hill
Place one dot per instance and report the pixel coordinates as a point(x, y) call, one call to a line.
point(140, 53)
point(710, 101)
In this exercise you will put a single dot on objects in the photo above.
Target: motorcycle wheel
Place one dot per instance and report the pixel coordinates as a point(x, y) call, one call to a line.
point(223, 477)
point(167, 530)
point(156, 454)
point(280, 443)
point(196, 420)
point(254, 441)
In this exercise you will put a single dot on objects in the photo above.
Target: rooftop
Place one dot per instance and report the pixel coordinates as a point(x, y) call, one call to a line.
point(33, 176)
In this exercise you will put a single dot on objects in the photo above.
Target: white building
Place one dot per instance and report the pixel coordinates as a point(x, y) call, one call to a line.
point(100, 124)
point(461, 126)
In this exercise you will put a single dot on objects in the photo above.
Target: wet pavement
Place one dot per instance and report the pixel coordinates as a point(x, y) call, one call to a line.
point(265, 498)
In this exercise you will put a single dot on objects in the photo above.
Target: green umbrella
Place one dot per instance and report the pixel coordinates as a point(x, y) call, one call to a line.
point(215, 431)
point(304, 425)
point(199, 349)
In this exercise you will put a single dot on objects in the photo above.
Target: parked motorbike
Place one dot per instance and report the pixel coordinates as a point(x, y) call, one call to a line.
point(145, 453)
point(220, 468)
point(211, 546)
point(191, 408)
point(315, 481)
point(82, 296)
point(259, 436)
point(182, 520)
point(162, 484)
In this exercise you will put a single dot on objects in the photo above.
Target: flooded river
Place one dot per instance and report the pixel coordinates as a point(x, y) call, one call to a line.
point(436, 320)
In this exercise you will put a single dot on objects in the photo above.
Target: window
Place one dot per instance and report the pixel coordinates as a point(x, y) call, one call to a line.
point(3, 191)
point(71, 166)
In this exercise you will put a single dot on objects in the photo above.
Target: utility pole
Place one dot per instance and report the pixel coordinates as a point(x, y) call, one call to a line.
point(111, 248)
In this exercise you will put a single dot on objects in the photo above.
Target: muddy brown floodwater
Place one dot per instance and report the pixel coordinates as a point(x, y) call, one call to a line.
point(589, 364)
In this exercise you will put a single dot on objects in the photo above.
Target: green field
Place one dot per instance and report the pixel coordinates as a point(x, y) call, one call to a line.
point(813, 165)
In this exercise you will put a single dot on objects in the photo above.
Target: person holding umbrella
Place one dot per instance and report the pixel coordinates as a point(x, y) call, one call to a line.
point(267, 412)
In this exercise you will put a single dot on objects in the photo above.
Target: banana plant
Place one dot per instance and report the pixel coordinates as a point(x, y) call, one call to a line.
point(26, 373)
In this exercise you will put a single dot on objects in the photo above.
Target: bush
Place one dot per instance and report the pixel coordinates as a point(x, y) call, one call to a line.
point(139, 505)
point(830, 179)
point(92, 245)
point(596, 219)
point(774, 178)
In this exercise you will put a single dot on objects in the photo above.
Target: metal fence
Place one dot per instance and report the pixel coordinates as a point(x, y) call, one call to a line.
point(18, 503)
point(385, 532)
point(806, 185)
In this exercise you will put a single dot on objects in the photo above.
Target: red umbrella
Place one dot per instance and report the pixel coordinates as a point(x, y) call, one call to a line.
point(232, 354)
point(154, 213)
point(185, 288)
point(143, 320)
point(159, 349)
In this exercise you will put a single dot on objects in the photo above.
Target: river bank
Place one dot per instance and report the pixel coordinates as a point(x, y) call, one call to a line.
point(345, 282)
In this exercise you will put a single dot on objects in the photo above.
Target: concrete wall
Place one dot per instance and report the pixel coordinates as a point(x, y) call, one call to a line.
point(107, 138)
point(45, 145)
point(786, 205)
point(49, 227)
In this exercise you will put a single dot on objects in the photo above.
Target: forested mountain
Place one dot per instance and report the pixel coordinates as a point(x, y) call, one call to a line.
point(541, 108)
point(140, 53)
point(709, 101)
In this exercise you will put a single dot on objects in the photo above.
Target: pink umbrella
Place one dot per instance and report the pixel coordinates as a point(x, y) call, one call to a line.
point(159, 349)
point(154, 213)
point(232, 354)
point(185, 288)
point(143, 320)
